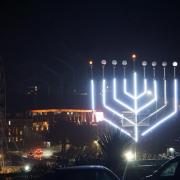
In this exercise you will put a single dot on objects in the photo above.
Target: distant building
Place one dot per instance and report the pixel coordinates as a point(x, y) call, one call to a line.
point(39, 121)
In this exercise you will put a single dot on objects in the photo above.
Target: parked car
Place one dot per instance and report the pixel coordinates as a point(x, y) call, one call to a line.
point(168, 171)
point(82, 173)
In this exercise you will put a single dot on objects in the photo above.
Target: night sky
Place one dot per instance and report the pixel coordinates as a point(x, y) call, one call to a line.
point(48, 44)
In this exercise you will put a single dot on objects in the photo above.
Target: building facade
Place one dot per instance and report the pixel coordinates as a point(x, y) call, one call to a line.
point(37, 123)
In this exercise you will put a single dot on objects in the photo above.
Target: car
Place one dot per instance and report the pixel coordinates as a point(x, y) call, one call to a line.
point(168, 171)
point(82, 173)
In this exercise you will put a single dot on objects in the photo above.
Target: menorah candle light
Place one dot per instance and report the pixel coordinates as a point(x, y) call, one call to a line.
point(135, 97)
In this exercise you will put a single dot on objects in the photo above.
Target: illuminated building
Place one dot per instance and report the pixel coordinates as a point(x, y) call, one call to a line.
point(40, 121)
point(16, 124)
point(42, 117)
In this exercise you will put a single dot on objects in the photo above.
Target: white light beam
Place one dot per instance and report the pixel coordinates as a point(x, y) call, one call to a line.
point(116, 99)
point(152, 101)
point(116, 126)
point(135, 105)
point(92, 95)
point(109, 108)
point(159, 109)
point(168, 116)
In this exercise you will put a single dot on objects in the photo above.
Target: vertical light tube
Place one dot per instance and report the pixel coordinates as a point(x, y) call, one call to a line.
point(135, 105)
point(168, 116)
point(92, 95)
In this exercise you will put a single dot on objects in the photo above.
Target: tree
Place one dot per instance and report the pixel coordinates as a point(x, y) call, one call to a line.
point(113, 145)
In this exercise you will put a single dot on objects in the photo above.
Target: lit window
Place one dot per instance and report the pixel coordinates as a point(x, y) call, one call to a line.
point(9, 133)
point(16, 139)
point(9, 122)
point(9, 139)
point(20, 132)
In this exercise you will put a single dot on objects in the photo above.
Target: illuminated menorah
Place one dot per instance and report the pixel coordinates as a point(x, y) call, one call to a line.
point(136, 109)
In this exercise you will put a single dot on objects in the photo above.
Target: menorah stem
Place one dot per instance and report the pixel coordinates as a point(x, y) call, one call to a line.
point(144, 71)
point(124, 71)
point(154, 72)
point(91, 71)
point(174, 71)
point(103, 71)
point(135, 105)
point(114, 71)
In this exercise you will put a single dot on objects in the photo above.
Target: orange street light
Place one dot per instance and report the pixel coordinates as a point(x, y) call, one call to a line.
point(90, 62)
point(134, 57)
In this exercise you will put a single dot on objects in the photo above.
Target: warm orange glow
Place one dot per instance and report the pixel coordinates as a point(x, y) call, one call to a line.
point(133, 56)
point(90, 62)
point(59, 110)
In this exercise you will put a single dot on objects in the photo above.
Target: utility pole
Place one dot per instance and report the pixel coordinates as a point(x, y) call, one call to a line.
point(3, 141)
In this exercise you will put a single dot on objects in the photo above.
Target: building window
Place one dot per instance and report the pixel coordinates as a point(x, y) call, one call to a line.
point(20, 132)
point(16, 139)
point(9, 122)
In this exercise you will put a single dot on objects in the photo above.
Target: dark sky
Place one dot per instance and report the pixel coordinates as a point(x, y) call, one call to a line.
point(41, 29)
point(58, 38)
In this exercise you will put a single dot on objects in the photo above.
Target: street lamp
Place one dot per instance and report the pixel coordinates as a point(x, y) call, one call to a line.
point(129, 155)
point(133, 57)
point(90, 62)
point(171, 152)
point(96, 142)
point(27, 168)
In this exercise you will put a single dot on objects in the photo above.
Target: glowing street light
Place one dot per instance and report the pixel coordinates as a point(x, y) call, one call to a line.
point(129, 155)
point(96, 142)
point(134, 57)
point(27, 168)
point(90, 62)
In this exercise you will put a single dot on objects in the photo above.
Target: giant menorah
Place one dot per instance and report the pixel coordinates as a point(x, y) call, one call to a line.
point(136, 102)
